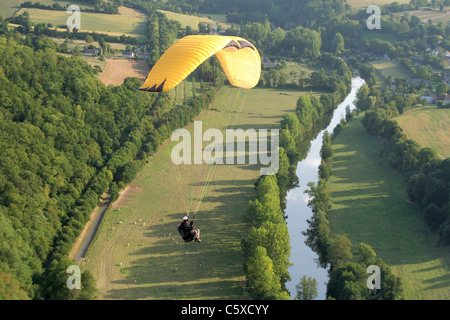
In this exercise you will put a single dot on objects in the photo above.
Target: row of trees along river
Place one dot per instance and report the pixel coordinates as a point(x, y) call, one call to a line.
point(303, 259)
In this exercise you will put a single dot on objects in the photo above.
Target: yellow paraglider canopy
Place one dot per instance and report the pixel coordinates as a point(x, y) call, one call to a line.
point(239, 59)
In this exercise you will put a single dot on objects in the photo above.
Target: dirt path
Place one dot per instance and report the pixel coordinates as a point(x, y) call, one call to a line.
point(84, 240)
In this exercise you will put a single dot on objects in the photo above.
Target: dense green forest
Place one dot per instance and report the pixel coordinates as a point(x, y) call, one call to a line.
point(66, 139)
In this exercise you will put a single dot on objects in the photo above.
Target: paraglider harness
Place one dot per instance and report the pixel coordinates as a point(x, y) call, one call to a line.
point(186, 230)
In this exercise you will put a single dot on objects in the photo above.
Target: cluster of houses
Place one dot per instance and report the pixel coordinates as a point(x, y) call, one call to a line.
point(430, 95)
point(267, 63)
point(139, 53)
point(433, 98)
point(91, 52)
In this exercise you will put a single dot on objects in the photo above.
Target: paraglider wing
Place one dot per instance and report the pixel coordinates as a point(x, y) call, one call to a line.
point(239, 59)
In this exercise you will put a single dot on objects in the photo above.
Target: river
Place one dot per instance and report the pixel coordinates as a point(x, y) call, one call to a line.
point(302, 257)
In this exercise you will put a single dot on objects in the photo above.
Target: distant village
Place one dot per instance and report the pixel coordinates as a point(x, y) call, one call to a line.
point(425, 85)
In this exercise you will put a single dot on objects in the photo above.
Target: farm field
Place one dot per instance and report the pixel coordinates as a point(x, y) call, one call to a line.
point(118, 69)
point(127, 22)
point(363, 4)
point(429, 127)
point(193, 21)
point(186, 20)
point(426, 14)
point(135, 261)
point(369, 204)
point(8, 7)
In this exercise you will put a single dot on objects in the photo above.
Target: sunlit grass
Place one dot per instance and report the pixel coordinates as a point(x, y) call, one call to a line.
point(370, 205)
point(158, 264)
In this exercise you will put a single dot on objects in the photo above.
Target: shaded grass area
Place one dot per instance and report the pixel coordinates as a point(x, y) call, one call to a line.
point(372, 35)
point(370, 205)
point(131, 260)
point(429, 127)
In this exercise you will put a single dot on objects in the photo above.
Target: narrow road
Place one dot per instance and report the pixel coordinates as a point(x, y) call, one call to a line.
point(93, 230)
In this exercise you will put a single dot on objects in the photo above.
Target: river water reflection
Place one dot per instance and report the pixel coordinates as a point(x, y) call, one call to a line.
point(302, 257)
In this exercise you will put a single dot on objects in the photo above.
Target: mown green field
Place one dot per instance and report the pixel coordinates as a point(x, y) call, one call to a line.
point(193, 21)
point(388, 68)
point(363, 4)
point(429, 127)
point(370, 205)
point(372, 35)
point(187, 20)
point(135, 261)
point(114, 24)
point(8, 7)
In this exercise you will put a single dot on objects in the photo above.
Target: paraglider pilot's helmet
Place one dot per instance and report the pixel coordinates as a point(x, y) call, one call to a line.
point(185, 218)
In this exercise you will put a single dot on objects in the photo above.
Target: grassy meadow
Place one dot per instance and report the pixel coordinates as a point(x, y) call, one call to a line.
point(295, 71)
point(363, 4)
point(187, 20)
point(193, 21)
point(386, 68)
point(370, 205)
point(138, 254)
point(429, 127)
point(221, 19)
point(117, 24)
point(8, 7)
point(372, 35)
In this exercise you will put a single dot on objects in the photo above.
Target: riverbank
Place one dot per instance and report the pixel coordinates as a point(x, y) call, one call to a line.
point(297, 210)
